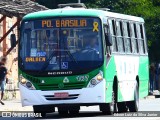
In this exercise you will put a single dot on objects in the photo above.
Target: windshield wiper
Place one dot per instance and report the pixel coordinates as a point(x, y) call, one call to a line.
point(47, 62)
point(71, 56)
point(51, 56)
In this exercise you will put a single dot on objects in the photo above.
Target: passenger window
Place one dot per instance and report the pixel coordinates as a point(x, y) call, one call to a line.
point(118, 28)
point(119, 37)
point(135, 31)
point(128, 29)
point(127, 39)
point(112, 28)
point(125, 29)
point(134, 38)
point(121, 28)
point(141, 38)
point(141, 33)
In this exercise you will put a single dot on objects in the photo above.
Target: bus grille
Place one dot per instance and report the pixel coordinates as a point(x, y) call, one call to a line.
point(33, 79)
point(70, 97)
point(66, 86)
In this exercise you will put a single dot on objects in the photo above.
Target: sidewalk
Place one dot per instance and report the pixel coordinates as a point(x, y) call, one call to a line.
point(14, 105)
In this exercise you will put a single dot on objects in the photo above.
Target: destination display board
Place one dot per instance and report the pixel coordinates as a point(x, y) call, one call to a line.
point(67, 23)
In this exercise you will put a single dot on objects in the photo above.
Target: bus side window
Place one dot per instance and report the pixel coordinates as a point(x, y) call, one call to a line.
point(145, 41)
point(134, 38)
point(119, 37)
point(112, 29)
point(127, 38)
point(141, 38)
point(142, 43)
point(121, 31)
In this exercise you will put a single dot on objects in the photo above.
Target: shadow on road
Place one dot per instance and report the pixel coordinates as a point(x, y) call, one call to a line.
point(157, 96)
point(80, 115)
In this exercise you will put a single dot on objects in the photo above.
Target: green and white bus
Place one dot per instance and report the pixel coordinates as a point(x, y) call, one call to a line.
point(72, 57)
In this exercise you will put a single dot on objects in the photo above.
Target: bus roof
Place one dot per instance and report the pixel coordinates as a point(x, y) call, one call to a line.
point(63, 12)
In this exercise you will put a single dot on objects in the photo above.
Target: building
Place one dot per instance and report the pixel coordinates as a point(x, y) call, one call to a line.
point(11, 13)
point(11, 65)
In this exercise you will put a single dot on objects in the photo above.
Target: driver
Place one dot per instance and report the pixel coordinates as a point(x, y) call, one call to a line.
point(92, 43)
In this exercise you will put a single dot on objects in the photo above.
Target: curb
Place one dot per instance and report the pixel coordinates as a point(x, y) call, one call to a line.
point(152, 97)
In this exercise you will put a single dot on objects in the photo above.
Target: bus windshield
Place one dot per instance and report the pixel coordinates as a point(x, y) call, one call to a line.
point(61, 44)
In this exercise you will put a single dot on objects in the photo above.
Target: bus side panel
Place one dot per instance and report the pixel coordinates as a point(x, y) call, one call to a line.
point(127, 68)
point(143, 76)
point(110, 72)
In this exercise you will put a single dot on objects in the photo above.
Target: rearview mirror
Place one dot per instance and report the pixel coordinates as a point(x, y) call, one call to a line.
point(108, 36)
point(108, 39)
point(13, 40)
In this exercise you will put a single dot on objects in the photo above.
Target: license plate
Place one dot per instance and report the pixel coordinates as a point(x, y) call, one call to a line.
point(61, 95)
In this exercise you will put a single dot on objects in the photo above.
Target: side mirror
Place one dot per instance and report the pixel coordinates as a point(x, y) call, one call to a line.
point(108, 36)
point(108, 39)
point(13, 40)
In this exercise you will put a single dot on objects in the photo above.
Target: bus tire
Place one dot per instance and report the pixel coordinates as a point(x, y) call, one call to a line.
point(108, 108)
point(122, 107)
point(134, 105)
point(115, 96)
point(62, 111)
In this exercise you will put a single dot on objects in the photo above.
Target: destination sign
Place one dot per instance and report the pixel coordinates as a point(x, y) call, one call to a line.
point(35, 59)
point(67, 23)
point(64, 23)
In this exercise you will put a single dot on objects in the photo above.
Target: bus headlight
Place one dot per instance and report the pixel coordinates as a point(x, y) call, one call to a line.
point(26, 83)
point(23, 81)
point(97, 79)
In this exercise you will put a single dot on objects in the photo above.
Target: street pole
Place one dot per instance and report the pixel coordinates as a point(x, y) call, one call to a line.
point(79, 1)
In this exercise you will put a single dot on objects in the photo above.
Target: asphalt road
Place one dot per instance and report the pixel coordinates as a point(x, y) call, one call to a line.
point(150, 105)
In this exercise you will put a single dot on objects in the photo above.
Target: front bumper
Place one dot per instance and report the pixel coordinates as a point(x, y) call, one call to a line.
point(76, 96)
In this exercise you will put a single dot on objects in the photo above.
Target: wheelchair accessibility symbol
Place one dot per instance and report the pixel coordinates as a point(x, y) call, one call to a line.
point(64, 65)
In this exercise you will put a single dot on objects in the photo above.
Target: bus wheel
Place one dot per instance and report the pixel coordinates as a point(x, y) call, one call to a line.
point(134, 105)
point(122, 107)
point(62, 111)
point(108, 108)
point(74, 110)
